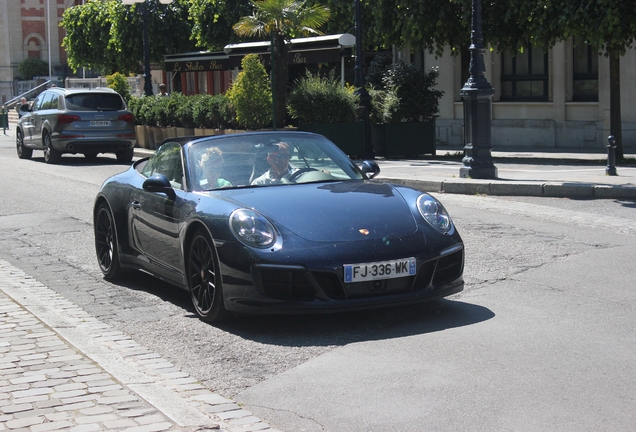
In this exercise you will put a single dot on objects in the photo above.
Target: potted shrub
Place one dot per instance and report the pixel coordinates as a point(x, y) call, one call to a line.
point(323, 106)
point(212, 114)
point(250, 94)
point(404, 111)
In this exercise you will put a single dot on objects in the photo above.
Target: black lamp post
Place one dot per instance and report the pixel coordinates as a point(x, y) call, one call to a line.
point(144, 15)
point(477, 95)
point(361, 91)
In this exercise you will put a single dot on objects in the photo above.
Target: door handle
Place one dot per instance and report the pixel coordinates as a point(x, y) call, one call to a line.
point(136, 205)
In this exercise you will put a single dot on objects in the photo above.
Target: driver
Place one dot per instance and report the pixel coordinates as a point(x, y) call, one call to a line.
point(278, 160)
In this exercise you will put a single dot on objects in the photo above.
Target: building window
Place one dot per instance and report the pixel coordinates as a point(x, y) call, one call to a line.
point(524, 76)
point(585, 73)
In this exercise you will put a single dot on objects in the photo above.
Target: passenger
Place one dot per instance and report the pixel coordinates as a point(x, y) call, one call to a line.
point(278, 161)
point(211, 165)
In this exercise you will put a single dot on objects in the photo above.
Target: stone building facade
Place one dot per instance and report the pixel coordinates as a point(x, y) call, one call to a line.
point(30, 29)
point(542, 100)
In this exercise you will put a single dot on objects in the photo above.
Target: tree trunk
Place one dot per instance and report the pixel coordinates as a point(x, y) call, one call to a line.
point(615, 101)
point(282, 75)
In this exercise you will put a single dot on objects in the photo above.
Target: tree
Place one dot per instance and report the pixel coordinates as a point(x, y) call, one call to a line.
point(108, 36)
point(250, 94)
point(282, 20)
point(30, 68)
point(609, 26)
point(212, 21)
point(119, 83)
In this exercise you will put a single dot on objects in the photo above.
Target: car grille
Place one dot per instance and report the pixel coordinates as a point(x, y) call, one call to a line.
point(302, 285)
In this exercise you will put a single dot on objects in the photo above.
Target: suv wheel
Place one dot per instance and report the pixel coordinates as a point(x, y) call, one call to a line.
point(51, 156)
point(125, 156)
point(23, 152)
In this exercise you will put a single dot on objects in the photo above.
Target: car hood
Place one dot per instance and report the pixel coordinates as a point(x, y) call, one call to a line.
point(333, 212)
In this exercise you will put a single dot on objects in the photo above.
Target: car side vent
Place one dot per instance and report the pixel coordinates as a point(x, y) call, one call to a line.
point(330, 284)
point(424, 276)
point(449, 268)
point(285, 284)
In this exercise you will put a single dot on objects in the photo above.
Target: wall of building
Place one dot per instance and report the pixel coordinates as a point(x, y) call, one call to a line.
point(558, 122)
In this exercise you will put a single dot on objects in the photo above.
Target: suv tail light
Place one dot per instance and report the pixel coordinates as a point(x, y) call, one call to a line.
point(128, 118)
point(65, 118)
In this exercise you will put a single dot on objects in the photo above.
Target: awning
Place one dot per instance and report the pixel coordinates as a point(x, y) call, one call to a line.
point(320, 49)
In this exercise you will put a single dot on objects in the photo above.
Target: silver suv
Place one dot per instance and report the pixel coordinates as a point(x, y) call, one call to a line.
point(86, 121)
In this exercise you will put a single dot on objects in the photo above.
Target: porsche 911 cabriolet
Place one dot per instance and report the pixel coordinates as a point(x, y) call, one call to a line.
point(275, 222)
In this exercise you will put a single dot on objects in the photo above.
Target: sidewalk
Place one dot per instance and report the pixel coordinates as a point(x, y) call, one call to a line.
point(62, 369)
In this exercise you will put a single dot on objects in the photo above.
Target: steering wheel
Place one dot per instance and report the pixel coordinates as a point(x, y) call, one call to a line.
point(296, 174)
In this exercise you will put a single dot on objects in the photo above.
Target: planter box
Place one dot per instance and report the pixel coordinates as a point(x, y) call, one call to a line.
point(142, 136)
point(349, 137)
point(403, 139)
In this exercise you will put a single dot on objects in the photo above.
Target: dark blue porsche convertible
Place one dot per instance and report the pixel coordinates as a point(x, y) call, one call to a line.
point(275, 222)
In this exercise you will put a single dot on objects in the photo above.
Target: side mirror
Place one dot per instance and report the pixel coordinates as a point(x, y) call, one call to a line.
point(370, 168)
point(160, 183)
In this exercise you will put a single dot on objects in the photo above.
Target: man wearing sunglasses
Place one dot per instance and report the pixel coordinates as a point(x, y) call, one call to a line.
point(278, 161)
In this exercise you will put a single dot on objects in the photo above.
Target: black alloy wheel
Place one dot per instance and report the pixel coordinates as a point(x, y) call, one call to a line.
point(106, 243)
point(204, 279)
point(23, 152)
point(51, 156)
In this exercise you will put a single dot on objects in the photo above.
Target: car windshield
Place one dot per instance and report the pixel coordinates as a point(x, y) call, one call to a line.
point(94, 102)
point(266, 159)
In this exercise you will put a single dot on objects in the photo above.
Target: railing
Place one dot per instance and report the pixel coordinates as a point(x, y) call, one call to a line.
point(29, 94)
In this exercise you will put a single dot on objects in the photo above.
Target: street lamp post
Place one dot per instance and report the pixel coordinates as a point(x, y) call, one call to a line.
point(144, 15)
point(477, 95)
point(361, 91)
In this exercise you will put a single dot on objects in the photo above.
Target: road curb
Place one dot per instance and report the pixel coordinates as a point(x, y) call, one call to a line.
point(536, 189)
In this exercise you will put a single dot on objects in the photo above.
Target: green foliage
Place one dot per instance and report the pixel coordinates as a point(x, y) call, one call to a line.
point(108, 36)
point(279, 21)
point(119, 83)
point(183, 111)
point(378, 69)
point(409, 95)
point(250, 94)
point(321, 99)
point(30, 68)
point(212, 112)
point(212, 21)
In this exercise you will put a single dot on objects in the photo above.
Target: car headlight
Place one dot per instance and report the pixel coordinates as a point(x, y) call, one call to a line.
point(434, 213)
point(252, 228)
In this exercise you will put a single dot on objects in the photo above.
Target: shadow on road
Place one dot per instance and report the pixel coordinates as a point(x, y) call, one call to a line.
point(328, 329)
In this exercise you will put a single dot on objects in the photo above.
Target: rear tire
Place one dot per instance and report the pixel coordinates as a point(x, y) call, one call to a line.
point(106, 247)
point(23, 152)
point(51, 156)
point(125, 156)
point(204, 278)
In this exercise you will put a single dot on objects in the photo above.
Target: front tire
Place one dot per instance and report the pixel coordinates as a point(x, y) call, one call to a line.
point(23, 152)
point(125, 156)
point(51, 156)
point(204, 278)
point(106, 246)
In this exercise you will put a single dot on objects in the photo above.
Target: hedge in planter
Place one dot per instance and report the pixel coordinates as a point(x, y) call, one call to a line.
point(409, 97)
point(323, 106)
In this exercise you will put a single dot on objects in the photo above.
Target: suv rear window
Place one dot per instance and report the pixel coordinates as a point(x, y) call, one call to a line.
point(94, 102)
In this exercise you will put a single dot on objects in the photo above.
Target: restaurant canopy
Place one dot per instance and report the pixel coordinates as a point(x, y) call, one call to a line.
point(311, 50)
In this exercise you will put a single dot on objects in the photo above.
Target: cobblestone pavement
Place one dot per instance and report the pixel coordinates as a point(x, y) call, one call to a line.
point(61, 369)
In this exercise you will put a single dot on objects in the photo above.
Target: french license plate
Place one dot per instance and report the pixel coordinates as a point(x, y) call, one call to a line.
point(379, 270)
point(100, 123)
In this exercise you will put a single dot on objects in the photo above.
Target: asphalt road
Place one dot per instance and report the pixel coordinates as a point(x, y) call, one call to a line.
point(542, 338)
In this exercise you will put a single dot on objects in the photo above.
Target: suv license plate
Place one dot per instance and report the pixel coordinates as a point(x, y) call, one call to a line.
point(379, 270)
point(100, 123)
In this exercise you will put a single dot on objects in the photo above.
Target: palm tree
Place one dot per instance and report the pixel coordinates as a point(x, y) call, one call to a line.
point(282, 20)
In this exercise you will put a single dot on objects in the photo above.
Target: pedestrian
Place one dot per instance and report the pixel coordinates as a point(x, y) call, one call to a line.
point(162, 90)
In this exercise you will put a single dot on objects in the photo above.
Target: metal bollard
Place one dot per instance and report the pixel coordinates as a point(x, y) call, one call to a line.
point(611, 156)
